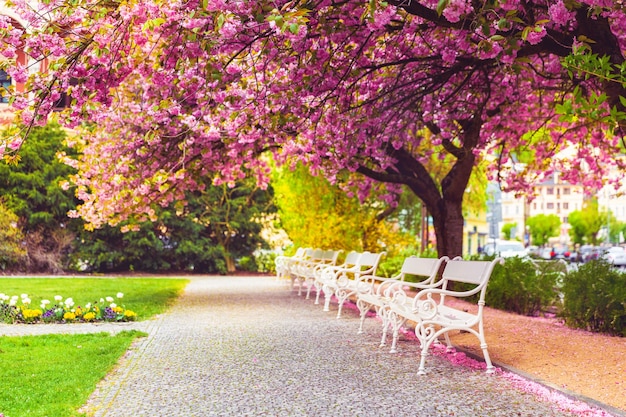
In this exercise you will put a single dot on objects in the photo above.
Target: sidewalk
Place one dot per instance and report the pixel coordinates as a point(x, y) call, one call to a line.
point(247, 346)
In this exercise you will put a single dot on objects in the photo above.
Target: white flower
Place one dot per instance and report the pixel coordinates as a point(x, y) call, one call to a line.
point(26, 300)
point(69, 302)
point(109, 299)
point(120, 295)
point(112, 305)
point(44, 303)
point(102, 300)
point(13, 301)
point(24, 296)
point(58, 298)
point(88, 306)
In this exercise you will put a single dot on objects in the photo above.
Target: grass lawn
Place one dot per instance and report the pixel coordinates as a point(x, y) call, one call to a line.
point(144, 296)
point(53, 375)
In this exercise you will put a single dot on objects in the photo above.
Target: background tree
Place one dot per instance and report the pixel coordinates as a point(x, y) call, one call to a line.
point(586, 223)
point(542, 227)
point(12, 252)
point(345, 87)
point(232, 217)
point(315, 213)
point(507, 228)
point(207, 235)
point(33, 190)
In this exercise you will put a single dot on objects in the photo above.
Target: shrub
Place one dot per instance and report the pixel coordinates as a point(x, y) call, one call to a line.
point(391, 265)
point(595, 298)
point(247, 263)
point(265, 261)
point(521, 287)
point(11, 237)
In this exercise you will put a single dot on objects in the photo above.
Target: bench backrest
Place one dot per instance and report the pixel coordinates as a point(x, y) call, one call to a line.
point(422, 267)
point(368, 262)
point(330, 256)
point(469, 272)
point(351, 259)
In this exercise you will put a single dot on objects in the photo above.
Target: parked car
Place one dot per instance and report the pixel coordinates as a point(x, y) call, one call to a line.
point(505, 248)
point(556, 252)
point(615, 255)
point(588, 253)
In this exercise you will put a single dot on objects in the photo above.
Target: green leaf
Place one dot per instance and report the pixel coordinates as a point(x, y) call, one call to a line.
point(441, 5)
point(220, 21)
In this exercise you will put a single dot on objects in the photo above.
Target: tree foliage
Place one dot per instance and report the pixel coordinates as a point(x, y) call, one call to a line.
point(207, 235)
point(34, 190)
point(586, 223)
point(542, 227)
point(184, 90)
point(11, 239)
point(315, 213)
point(507, 228)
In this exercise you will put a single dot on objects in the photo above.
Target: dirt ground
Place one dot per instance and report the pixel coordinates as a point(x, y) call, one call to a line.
point(585, 363)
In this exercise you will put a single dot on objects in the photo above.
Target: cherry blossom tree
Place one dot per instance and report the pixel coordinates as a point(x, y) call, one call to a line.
point(169, 92)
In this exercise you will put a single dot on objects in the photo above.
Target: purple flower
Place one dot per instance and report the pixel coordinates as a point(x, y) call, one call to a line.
point(48, 314)
point(109, 314)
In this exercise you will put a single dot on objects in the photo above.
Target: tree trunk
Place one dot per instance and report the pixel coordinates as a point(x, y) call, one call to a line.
point(448, 223)
point(230, 263)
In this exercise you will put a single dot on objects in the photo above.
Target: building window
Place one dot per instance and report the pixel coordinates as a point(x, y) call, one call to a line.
point(534, 206)
point(566, 191)
point(565, 206)
point(565, 220)
point(550, 206)
point(5, 83)
point(550, 190)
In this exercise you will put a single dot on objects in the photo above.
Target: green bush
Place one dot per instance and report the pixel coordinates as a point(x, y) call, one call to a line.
point(265, 261)
point(391, 265)
point(11, 251)
point(247, 263)
point(520, 286)
point(595, 298)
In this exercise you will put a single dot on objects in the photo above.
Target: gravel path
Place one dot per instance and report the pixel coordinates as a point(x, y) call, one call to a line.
point(247, 346)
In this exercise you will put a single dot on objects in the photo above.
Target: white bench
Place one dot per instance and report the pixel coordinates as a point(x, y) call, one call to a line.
point(322, 272)
point(344, 282)
point(304, 270)
point(376, 292)
point(433, 317)
point(283, 262)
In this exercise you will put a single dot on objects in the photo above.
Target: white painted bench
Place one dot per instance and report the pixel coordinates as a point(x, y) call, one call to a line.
point(304, 270)
point(433, 317)
point(376, 292)
point(283, 263)
point(321, 273)
point(344, 281)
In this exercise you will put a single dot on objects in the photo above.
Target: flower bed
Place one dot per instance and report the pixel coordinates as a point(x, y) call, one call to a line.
point(14, 309)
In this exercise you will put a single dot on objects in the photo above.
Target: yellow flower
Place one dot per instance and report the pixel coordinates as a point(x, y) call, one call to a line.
point(69, 316)
point(89, 316)
point(31, 314)
point(78, 312)
point(118, 309)
point(129, 314)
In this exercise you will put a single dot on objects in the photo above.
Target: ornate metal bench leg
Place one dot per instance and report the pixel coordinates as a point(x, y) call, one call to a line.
point(422, 368)
point(396, 322)
point(327, 294)
point(318, 288)
point(363, 309)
